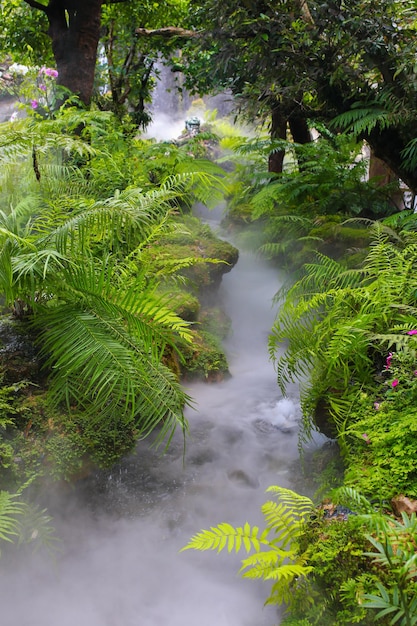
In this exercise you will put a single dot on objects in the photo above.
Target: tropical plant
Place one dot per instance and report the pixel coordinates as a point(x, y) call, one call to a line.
point(394, 549)
point(306, 207)
point(275, 549)
point(393, 556)
point(75, 268)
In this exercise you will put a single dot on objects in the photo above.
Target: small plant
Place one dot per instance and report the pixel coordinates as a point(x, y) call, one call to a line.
point(394, 543)
point(393, 561)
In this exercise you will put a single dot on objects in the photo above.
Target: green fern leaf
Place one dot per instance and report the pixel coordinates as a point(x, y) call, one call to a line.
point(224, 534)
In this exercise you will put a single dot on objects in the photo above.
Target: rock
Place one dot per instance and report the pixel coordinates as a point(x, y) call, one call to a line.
point(241, 478)
point(402, 504)
point(19, 358)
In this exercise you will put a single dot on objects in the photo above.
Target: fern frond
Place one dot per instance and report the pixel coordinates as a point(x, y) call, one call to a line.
point(353, 499)
point(284, 572)
point(10, 510)
point(301, 505)
point(226, 536)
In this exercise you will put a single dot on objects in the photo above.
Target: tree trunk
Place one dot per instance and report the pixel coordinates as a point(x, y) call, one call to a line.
point(387, 144)
point(278, 131)
point(384, 175)
point(74, 27)
point(299, 129)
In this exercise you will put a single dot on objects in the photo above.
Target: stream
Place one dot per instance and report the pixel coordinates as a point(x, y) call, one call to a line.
point(121, 531)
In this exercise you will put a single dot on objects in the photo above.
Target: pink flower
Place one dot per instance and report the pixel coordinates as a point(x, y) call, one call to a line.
point(48, 71)
point(366, 438)
point(412, 332)
point(377, 406)
point(42, 87)
point(395, 382)
point(388, 361)
point(34, 104)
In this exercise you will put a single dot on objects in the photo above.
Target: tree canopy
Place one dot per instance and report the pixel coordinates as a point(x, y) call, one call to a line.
point(350, 64)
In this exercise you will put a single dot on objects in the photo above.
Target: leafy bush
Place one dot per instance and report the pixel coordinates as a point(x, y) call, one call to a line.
point(338, 322)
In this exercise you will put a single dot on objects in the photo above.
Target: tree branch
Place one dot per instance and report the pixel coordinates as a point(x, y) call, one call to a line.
point(169, 31)
point(305, 12)
point(37, 5)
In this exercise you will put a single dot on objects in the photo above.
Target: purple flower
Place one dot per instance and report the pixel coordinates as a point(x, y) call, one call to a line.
point(42, 87)
point(412, 332)
point(48, 71)
point(51, 72)
point(395, 382)
point(377, 406)
point(34, 104)
point(388, 361)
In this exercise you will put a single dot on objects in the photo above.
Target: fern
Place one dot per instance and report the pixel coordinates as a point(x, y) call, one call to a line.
point(80, 263)
point(10, 510)
point(275, 549)
point(333, 322)
point(226, 536)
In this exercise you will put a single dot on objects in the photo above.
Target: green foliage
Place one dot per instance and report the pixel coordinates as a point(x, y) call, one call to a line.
point(275, 549)
point(309, 206)
point(394, 551)
point(204, 358)
point(337, 320)
point(24, 33)
point(381, 448)
point(77, 265)
point(336, 553)
point(130, 72)
point(25, 524)
point(9, 510)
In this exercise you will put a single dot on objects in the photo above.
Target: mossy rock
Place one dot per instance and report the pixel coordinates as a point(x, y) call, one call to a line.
point(194, 240)
point(19, 357)
point(337, 239)
point(204, 358)
point(215, 321)
point(185, 305)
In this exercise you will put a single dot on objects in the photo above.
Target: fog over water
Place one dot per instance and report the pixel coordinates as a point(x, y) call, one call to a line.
point(122, 530)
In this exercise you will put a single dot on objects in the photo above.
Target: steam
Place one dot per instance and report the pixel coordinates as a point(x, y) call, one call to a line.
point(164, 128)
point(122, 530)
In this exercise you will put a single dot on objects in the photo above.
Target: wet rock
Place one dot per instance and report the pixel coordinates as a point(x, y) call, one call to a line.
point(336, 512)
point(243, 479)
point(203, 457)
point(19, 358)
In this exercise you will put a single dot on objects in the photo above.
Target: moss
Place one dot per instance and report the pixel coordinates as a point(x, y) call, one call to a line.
point(336, 239)
point(204, 358)
point(192, 239)
point(337, 551)
point(215, 321)
point(43, 441)
point(185, 305)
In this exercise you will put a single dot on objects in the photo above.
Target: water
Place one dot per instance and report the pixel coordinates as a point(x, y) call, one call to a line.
point(122, 530)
